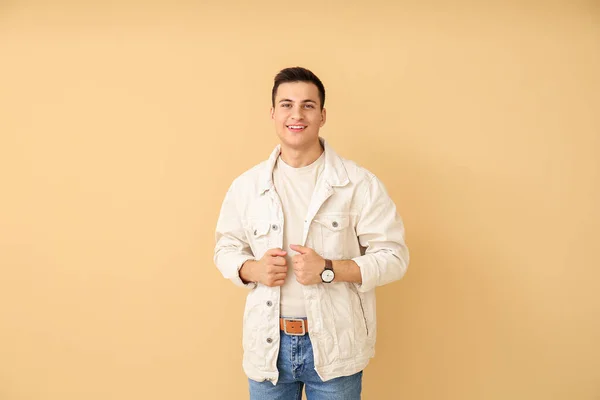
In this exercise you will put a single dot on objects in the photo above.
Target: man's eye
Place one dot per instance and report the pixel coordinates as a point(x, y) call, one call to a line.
point(286, 105)
point(309, 106)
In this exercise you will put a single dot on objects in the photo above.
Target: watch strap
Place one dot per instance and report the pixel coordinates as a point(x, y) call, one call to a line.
point(328, 267)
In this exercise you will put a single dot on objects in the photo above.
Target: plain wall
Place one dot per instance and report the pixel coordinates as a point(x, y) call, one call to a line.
point(122, 125)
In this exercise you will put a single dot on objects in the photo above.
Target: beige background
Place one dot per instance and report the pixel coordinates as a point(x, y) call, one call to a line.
point(122, 125)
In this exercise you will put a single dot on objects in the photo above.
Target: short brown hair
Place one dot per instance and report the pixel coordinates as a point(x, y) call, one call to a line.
point(298, 74)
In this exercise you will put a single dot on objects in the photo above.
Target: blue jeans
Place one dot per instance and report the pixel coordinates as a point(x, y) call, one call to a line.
point(296, 369)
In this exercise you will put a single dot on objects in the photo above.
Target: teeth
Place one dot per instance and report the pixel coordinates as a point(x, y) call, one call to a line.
point(296, 127)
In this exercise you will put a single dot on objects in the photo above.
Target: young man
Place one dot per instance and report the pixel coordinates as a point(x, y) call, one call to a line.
point(311, 235)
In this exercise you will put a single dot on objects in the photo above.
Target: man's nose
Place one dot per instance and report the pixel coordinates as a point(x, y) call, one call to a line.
point(297, 113)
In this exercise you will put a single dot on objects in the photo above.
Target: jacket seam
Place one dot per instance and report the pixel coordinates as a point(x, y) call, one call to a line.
point(367, 191)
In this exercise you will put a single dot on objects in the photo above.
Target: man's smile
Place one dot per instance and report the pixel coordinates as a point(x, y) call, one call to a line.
point(296, 128)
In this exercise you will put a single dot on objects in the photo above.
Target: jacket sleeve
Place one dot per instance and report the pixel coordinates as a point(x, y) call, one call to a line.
point(232, 249)
point(380, 230)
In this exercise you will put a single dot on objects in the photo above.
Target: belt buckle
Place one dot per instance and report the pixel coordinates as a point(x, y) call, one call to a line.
point(285, 321)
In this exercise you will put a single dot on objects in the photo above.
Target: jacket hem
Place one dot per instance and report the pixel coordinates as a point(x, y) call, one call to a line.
point(345, 368)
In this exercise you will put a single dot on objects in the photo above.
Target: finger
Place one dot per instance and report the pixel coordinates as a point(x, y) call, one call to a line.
point(276, 278)
point(279, 261)
point(300, 249)
point(276, 269)
point(276, 252)
point(280, 275)
point(279, 282)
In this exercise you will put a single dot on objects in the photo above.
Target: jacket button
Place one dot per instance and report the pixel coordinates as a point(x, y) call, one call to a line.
point(269, 303)
point(334, 224)
point(269, 340)
point(275, 227)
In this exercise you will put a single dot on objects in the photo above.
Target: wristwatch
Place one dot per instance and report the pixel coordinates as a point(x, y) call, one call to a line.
point(328, 275)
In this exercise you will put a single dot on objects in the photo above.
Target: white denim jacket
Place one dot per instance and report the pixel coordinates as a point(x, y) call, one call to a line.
point(351, 216)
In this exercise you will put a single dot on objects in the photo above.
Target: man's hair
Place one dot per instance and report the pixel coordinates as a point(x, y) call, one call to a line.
point(298, 74)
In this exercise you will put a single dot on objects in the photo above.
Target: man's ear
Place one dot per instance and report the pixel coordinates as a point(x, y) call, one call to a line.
point(323, 117)
point(272, 113)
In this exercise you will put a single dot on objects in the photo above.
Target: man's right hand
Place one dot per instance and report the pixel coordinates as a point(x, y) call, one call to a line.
point(270, 270)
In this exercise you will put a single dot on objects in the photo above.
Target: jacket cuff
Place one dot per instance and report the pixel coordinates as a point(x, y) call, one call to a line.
point(238, 261)
point(369, 280)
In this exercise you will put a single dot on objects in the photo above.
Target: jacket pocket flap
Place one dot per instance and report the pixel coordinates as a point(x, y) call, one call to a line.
point(333, 222)
point(259, 228)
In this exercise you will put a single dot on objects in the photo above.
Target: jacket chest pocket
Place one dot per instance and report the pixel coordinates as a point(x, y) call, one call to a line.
point(259, 236)
point(334, 232)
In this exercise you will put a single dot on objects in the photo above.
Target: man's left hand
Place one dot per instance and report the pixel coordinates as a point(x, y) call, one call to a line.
point(307, 265)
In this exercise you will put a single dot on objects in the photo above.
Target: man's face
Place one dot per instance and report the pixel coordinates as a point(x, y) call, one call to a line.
point(297, 114)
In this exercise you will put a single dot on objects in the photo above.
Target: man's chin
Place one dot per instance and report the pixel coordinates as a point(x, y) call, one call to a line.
point(297, 141)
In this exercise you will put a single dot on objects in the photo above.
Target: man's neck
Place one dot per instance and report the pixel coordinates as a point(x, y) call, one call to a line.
point(298, 158)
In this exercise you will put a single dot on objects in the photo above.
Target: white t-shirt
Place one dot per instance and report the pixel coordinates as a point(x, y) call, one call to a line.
point(295, 188)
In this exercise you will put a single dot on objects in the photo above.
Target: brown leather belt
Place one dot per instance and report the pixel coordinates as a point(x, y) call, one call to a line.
point(293, 326)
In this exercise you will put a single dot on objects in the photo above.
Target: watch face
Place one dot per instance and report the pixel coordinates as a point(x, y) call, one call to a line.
point(327, 275)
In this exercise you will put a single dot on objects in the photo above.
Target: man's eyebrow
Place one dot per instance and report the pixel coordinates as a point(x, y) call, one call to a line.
point(303, 101)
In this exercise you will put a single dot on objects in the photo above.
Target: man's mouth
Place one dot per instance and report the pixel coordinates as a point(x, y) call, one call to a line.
point(296, 128)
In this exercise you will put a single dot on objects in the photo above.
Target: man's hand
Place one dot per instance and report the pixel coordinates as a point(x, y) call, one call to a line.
point(307, 265)
point(270, 270)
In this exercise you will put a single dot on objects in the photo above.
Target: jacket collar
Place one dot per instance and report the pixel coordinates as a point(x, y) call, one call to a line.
point(334, 173)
